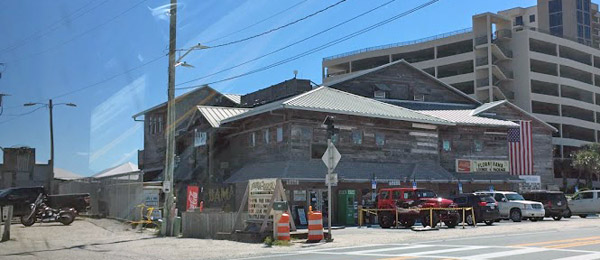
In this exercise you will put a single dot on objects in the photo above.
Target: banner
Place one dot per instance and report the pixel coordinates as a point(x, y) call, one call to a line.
point(192, 197)
point(467, 166)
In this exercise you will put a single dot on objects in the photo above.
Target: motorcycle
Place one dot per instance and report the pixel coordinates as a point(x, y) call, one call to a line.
point(41, 212)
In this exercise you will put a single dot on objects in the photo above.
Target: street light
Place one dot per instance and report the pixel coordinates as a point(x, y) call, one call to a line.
point(50, 106)
point(185, 64)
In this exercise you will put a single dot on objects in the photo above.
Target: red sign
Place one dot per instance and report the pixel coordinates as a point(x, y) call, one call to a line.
point(463, 165)
point(192, 197)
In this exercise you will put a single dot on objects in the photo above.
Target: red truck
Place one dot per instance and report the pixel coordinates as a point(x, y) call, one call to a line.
point(408, 201)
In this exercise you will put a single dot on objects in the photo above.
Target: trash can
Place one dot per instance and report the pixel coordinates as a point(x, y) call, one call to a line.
point(346, 207)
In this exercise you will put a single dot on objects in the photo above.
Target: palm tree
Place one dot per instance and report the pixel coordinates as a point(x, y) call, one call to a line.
point(587, 160)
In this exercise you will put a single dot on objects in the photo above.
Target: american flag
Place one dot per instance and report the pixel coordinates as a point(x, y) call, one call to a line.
point(520, 149)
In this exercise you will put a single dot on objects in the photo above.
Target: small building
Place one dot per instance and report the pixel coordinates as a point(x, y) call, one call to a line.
point(19, 169)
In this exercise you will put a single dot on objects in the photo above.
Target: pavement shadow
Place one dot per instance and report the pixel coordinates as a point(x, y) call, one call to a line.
point(82, 246)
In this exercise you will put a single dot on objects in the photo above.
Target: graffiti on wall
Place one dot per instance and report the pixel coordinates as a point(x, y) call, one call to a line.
point(219, 195)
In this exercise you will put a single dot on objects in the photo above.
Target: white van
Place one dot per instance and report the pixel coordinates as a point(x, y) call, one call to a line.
point(585, 203)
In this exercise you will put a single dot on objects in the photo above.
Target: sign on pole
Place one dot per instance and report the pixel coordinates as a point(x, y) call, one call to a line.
point(331, 164)
point(331, 179)
point(414, 184)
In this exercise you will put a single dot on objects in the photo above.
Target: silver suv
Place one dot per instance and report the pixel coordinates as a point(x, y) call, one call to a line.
point(513, 206)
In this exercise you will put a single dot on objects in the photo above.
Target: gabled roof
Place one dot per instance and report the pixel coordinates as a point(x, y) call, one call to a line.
point(490, 105)
point(465, 117)
point(119, 169)
point(62, 174)
point(364, 72)
point(329, 100)
point(176, 99)
point(234, 97)
point(214, 115)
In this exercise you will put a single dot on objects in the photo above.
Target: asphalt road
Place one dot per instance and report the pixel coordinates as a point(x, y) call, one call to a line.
point(575, 244)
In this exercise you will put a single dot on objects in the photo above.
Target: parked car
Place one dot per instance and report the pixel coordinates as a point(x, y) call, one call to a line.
point(514, 207)
point(408, 201)
point(485, 208)
point(585, 203)
point(22, 197)
point(555, 202)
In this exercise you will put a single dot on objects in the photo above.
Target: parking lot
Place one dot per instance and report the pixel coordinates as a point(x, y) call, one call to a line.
point(109, 239)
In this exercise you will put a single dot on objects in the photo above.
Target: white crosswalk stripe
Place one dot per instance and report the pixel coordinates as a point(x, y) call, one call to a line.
point(442, 251)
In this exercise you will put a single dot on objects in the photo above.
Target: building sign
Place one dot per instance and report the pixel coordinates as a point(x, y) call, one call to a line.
point(299, 195)
point(532, 182)
point(151, 199)
point(466, 165)
point(260, 193)
point(192, 197)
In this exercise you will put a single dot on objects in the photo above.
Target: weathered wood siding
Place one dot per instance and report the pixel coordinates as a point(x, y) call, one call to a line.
point(405, 82)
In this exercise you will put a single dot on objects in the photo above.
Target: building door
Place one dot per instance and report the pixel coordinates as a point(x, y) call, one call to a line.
point(318, 200)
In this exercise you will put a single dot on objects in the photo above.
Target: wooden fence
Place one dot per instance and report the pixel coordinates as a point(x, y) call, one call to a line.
point(207, 224)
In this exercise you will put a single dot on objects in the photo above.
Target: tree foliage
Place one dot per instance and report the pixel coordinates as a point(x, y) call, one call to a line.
point(587, 160)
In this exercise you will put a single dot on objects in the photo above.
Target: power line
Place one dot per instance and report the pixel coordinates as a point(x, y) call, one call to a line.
point(109, 78)
point(53, 27)
point(290, 45)
point(20, 115)
point(321, 47)
point(280, 27)
point(86, 32)
point(256, 23)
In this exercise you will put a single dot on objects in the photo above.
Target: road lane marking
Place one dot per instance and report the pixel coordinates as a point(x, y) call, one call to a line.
point(506, 253)
point(576, 244)
point(367, 252)
point(398, 258)
point(558, 241)
point(345, 247)
point(433, 252)
point(581, 257)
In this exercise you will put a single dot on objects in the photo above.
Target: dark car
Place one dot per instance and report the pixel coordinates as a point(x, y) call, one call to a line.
point(555, 202)
point(22, 197)
point(485, 208)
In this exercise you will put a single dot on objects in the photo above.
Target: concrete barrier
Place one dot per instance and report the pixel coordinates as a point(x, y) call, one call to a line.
point(207, 224)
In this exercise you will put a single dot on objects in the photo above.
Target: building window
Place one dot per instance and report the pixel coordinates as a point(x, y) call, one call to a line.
point(379, 94)
point(252, 139)
point(317, 151)
point(532, 18)
point(518, 20)
point(478, 145)
point(150, 124)
point(379, 139)
point(555, 6)
point(357, 136)
point(266, 135)
point(446, 146)
point(279, 134)
point(199, 138)
point(160, 124)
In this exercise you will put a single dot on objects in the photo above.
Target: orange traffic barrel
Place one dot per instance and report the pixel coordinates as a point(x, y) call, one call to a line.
point(283, 227)
point(315, 226)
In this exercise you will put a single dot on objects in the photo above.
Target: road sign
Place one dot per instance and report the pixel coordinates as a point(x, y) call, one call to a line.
point(335, 154)
point(331, 178)
point(414, 184)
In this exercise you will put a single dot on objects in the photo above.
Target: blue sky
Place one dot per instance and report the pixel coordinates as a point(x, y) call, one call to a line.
point(48, 52)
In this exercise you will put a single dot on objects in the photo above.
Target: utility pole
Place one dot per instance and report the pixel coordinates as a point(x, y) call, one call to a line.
point(50, 107)
point(170, 153)
point(331, 159)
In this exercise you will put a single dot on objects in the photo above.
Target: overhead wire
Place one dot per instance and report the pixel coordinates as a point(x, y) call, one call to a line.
point(279, 27)
point(53, 27)
point(292, 44)
point(20, 115)
point(85, 32)
point(318, 48)
point(256, 23)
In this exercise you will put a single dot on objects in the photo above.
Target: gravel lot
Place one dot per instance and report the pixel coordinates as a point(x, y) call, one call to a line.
point(109, 239)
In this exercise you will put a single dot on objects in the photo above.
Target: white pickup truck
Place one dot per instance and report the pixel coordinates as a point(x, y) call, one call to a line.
point(585, 203)
point(513, 206)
